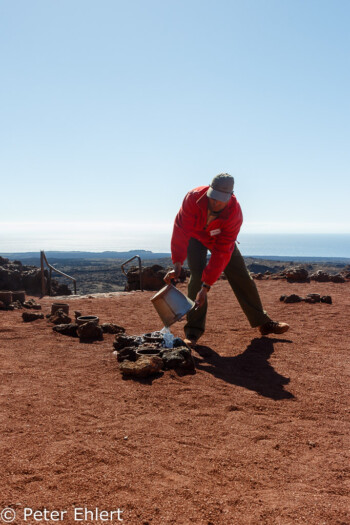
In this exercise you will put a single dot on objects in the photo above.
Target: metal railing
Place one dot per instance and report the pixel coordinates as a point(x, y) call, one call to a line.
point(43, 260)
point(140, 268)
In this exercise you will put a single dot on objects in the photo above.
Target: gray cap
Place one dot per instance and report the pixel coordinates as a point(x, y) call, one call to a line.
point(221, 187)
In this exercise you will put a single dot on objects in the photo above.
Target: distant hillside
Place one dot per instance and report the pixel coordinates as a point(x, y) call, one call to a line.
point(149, 255)
point(144, 254)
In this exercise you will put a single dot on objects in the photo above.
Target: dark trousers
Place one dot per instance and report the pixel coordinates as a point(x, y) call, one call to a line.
point(241, 283)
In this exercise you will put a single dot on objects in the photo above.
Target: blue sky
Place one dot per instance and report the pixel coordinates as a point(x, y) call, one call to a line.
point(111, 111)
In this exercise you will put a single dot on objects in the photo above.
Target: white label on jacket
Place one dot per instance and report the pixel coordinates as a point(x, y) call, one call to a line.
point(215, 232)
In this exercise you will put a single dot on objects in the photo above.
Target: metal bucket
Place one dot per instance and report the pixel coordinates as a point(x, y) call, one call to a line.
point(171, 304)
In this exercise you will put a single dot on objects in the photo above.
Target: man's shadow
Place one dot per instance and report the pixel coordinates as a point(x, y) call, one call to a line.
point(250, 370)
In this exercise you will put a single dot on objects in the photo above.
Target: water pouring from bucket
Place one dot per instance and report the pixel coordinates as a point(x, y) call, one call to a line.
point(171, 304)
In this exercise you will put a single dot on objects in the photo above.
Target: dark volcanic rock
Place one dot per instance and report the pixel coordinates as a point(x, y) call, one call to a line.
point(66, 329)
point(31, 304)
point(296, 274)
point(59, 317)
point(31, 316)
point(326, 299)
point(337, 278)
point(58, 289)
point(293, 298)
point(111, 328)
point(320, 276)
point(178, 358)
point(145, 366)
point(152, 278)
point(127, 353)
point(17, 276)
point(122, 341)
point(90, 331)
point(15, 305)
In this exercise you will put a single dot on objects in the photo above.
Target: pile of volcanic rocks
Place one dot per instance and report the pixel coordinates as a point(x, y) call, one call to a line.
point(310, 298)
point(87, 332)
point(17, 276)
point(152, 277)
point(299, 274)
point(16, 300)
point(143, 356)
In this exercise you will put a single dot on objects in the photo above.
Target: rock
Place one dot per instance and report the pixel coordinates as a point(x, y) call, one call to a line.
point(283, 297)
point(145, 366)
point(127, 353)
point(121, 341)
point(179, 358)
point(28, 317)
point(15, 305)
point(66, 329)
point(59, 317)
point(152, 278)
point(337, 278)
point(320, 276)
point(156, 347)
point(2, 306)
point(293, 298)
point(16, 276)
point(77, 314)
point(30, 281)
point(32, 304)
point(111, 328)
point(58, 289)
point(296, 274)
point(90, 331)
point(326, 299)
point(312, 298)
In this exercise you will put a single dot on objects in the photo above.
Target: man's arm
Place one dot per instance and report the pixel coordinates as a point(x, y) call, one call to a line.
point(183, 228)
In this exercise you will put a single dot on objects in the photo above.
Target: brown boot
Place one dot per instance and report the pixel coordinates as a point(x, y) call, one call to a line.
point(191, 341)
point(273, 327)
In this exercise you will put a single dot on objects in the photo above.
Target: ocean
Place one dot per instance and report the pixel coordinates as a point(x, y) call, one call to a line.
point(295, 245)
point(250, 244)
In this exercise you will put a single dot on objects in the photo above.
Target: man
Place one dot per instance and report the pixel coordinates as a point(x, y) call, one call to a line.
point(210, 218)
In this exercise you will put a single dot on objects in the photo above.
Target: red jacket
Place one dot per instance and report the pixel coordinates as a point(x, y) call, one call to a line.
point(219, 236)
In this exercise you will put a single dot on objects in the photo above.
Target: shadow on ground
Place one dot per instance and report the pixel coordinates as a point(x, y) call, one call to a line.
point(250, 370)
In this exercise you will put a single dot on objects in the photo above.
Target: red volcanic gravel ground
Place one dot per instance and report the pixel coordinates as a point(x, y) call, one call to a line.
point(259, 435)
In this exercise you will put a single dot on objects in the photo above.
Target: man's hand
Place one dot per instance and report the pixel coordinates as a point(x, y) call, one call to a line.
point(201, 297)
point(173, 274)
